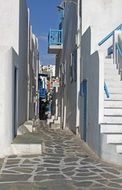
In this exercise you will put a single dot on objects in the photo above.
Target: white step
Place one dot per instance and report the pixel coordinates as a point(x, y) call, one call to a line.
point(55, 126)
point(113, 111)
point(57, 121)
point(114, 138)
point(110, 70)
point(114, 84)
point(104, 128)
point(109, 61)
point(108, 152)
point(49, 121)
point(113, 96)
point(112, 104)
point(119, 149)
point(25, 149)
point(113, 120)
point(109, 66)
point(115, 90)
point(52, 117)
point(109, 77)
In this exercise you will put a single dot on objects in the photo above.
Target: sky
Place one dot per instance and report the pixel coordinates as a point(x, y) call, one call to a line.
point(44, 15)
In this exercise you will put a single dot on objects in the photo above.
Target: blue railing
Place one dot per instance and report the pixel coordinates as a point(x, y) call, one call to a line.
point(106, 90)
point(55, 37)
point(110, 50)
point(109, 35)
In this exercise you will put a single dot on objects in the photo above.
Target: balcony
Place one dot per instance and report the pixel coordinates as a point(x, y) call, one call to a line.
point(55, 41)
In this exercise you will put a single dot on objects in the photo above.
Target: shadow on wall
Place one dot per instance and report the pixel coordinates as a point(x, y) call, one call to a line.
point(89, 93)
point(85, 56)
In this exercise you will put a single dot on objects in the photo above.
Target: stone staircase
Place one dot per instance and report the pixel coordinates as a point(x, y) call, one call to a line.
point(54, 122)
point(111, 129)
point(27, 141)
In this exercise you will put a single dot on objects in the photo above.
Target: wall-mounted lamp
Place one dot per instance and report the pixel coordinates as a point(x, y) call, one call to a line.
point(60, 8)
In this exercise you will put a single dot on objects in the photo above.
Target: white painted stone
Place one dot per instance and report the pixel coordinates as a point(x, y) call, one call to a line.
point(22, 130)
point(110, 68)
point(109, 61)
point(104, 128)
point(113, 111)
point(108, 152)
point(113, 97)
point(115, 120)
point(115, 90)
point(112, 104)
point(49, 121)
point(115, 83)
point(119, 149)
point(25, 149)
point(114, 138)
point(110, 77)
point(55, 126)
point(29, 127)
point(52, 117)
point(58, 121)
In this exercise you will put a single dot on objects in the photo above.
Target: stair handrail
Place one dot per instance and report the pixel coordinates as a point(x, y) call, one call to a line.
point(106, 90)
point(109, 35)
point(119, 49)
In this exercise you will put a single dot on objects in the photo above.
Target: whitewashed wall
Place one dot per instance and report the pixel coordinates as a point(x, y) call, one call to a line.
point(69, 88)
point(33, 74)
point(9, 23)
point(96, 24)
point(23, 47)
point(98, 18)
point(102, 17)
point(9, 61)
point(14, 52)
point(13, 33)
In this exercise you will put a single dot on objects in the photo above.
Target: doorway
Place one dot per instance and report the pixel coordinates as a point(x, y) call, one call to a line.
point(15, 102)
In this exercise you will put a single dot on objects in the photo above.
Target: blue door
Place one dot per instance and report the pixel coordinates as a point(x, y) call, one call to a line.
point(85, 109)
point(83, 92)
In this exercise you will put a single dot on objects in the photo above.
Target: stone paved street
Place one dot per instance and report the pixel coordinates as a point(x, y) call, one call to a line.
point(64, 165)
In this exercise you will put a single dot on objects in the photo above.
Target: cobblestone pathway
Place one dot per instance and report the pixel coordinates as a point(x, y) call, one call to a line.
point(64, 165)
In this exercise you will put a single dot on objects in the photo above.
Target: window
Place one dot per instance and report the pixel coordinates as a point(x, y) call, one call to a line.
point(73, 66)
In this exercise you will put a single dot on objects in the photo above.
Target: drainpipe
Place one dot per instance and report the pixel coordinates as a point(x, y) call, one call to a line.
point(78, 67)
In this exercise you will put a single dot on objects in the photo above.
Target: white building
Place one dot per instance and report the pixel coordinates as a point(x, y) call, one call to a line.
point(47, 69)
point(80, 65)
point(16, 69)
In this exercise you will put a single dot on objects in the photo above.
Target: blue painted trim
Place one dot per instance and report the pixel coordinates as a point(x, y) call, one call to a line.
point(119, 49)
point(85, 109)
point(55, 37)
point(109, 35)
point(110, 50)
point(106, 90)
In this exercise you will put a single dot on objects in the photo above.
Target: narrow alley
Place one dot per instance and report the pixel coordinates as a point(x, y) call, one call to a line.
point(60, 95)
point(65, 164)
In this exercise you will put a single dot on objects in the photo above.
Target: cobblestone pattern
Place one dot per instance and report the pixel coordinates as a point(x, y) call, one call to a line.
point(64, 165)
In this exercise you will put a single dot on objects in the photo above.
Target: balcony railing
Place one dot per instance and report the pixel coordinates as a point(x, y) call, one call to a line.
point(55, 37)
